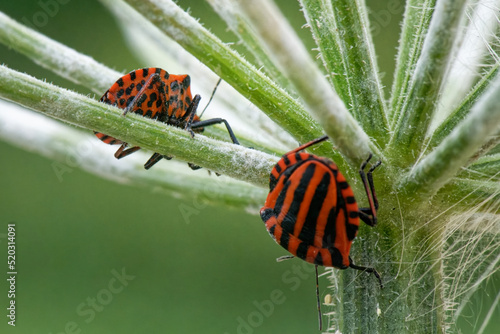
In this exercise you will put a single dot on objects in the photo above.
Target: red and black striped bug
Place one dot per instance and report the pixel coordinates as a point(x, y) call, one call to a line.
point(311, 210)
point(156, 94)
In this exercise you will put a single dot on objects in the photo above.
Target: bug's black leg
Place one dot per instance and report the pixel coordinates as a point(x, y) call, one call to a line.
point(122, 152)
point(368, 270)
point(369, 175)
point(213, 121)
point(317, 298)
point(369, 215)
point(193, 166)
point(153, 160)
point(190, 113)
point(365, 215)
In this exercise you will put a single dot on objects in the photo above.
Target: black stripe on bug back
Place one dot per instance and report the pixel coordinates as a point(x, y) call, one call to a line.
point(351, 229)
point(308, 231)
point(281, 198)
point(288, 222)
point(319, 259)
point(266, 214)
point(286, 160)
point(341, 205)
point(272, 182)
point(302, 250)
point(337, 260)
point(330, 232)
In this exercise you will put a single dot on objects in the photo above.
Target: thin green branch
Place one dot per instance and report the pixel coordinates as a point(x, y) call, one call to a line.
point(295, 61)
point(447, 126)
point(71, 148)
point(473, 54)
point(416, 21)
point(436, 169)
point(236, 20)
point(60, 59)
point(231, 67)
point(152, 46)
point(342, 32)
point(484, 168)
point(232, 160)
point(79, 68)
point(420, 103)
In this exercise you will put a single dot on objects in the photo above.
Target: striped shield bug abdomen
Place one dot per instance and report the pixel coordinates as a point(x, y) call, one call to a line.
point(311, 210)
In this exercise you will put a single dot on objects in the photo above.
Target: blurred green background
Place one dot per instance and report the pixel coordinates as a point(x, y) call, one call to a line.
point(74, 237)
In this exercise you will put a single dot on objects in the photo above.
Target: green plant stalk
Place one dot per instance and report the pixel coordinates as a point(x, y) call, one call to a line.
point(472, 56)
point(451, 122)
point(437, 168)
point(319, 97)
point(235, 18)
point(228, 159)
point(52, 55)
point(78, 68)
point(417, 16)
point(342, 34)
point(231, 67)
point(484, 168)
point(407, 256)
point(154, 47)
point(416, 113)
point(70, 148)
point(469, 192)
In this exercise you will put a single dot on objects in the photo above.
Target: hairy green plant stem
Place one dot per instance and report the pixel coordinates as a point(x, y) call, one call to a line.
point(236, 20)
point(417, 16)
point(350, 60)
point(295, 61)
point(152, 46)
point(417, 110)
point(79, 68)
point(232, 68)
point(437, 168)
point(52, 55)
point(451, 122)
point(71, 148)
point(232, 160)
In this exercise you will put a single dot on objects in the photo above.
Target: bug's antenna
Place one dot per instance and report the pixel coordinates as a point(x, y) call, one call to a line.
point(317, 297)
point(211, 97)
